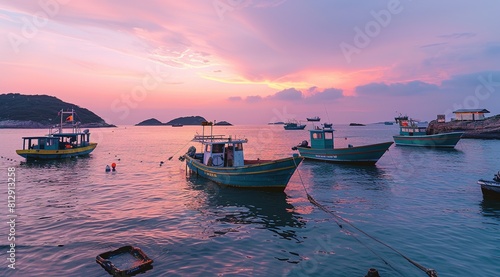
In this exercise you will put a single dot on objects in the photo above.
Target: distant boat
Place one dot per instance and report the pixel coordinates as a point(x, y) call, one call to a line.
point(491, 189)
point(322, 148)
point(294, 126)
point(59, 144)
point(356, 124)
point(177, 125)
point(388, 123)
point(316, 118)
point(222, 161)
point(411, 134)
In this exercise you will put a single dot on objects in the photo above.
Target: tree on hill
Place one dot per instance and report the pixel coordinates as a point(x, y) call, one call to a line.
point(41, 109)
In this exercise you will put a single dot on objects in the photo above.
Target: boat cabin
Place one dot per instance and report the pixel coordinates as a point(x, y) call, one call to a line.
point(409, 127)
point(223, 152)
point(321, 138)
point(57, 141)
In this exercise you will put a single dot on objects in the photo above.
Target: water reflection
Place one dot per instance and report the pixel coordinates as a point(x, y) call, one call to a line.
point(234, 206)
point(490, 207)
point(323, 174)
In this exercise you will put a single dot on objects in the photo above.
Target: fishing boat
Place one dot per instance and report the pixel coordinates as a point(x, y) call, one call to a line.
point(222, 161)
point(322, 148)
point(316, 118)
point(64, 140)
point(491, 189)
point(293, 125)
point(413, 134)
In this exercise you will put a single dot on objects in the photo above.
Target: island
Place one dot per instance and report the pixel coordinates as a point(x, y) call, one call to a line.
point(180, 121)
point(223, 123)
point(150, 122)
point(41, 111)
point(488, 128)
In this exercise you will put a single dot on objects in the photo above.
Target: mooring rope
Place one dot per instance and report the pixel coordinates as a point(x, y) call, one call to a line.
point(430, 272)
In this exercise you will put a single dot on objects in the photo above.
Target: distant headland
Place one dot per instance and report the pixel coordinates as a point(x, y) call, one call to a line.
point(40, 111)
point(186, 120)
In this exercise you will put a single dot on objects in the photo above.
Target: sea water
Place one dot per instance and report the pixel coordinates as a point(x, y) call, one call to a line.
point(422, 203)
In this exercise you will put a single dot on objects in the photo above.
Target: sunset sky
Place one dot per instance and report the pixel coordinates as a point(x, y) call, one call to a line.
point(255, 61)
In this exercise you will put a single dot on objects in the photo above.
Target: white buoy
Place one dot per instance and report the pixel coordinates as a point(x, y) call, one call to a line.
point(108, 169)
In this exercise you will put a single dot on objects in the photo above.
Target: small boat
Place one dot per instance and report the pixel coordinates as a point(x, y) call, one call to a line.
point(316, 118)
point(177, 125)
point(491, 189)
point(59, 144)
point(293, 125)
point(322, 148)
point(388, 123)
point(356, 124)
point(411, 134)
point(222, 161)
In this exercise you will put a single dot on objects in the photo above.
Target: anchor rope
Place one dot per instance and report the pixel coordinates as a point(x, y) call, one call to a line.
point(430, 272)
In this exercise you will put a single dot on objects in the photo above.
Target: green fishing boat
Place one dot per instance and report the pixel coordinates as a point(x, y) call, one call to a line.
point(322, 148)
point(222, 161)
point(411, 134)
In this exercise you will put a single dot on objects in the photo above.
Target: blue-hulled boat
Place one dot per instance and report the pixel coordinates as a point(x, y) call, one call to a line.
point(293, 125)
point(322, 148)
point(222, 161)
point(411, 134)
point(59, 144)
point(316, 118)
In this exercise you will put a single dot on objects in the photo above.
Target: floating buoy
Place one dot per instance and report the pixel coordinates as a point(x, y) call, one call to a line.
point(161, 163)
point(113, 165)
point(108, 169)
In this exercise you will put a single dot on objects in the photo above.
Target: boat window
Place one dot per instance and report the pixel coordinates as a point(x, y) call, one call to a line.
point(317, 135)
point(329, 135)
point(238, 147)
point(217, 148)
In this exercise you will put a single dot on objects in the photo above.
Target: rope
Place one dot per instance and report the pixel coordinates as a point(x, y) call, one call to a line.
point(428, 271)
point(170, 158)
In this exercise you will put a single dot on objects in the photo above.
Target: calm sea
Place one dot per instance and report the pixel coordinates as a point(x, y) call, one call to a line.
point(424, 203)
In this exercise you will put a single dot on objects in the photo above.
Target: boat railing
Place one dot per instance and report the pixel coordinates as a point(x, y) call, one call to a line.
point(59, 129)
point(216, 138)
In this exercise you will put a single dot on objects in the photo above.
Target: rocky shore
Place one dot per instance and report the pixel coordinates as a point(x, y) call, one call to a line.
point(488, 128)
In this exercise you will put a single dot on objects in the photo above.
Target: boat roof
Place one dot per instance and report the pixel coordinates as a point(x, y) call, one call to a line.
point(55, 136)
point(217, 139)
point(40, 137)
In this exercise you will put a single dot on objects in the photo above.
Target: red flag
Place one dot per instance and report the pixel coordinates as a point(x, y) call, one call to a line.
point(69, 118)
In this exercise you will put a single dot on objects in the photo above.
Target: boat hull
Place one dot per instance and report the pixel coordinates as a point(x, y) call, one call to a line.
point(490, 189)
point(298, 127)
point(446, 140)
point(41, 154)
point(272, 175)
point(367, 154)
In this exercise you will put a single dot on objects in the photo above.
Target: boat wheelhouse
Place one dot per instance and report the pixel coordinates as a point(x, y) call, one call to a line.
point(64, 140)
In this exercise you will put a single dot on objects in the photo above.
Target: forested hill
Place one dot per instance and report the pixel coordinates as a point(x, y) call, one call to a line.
point(40, 111)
